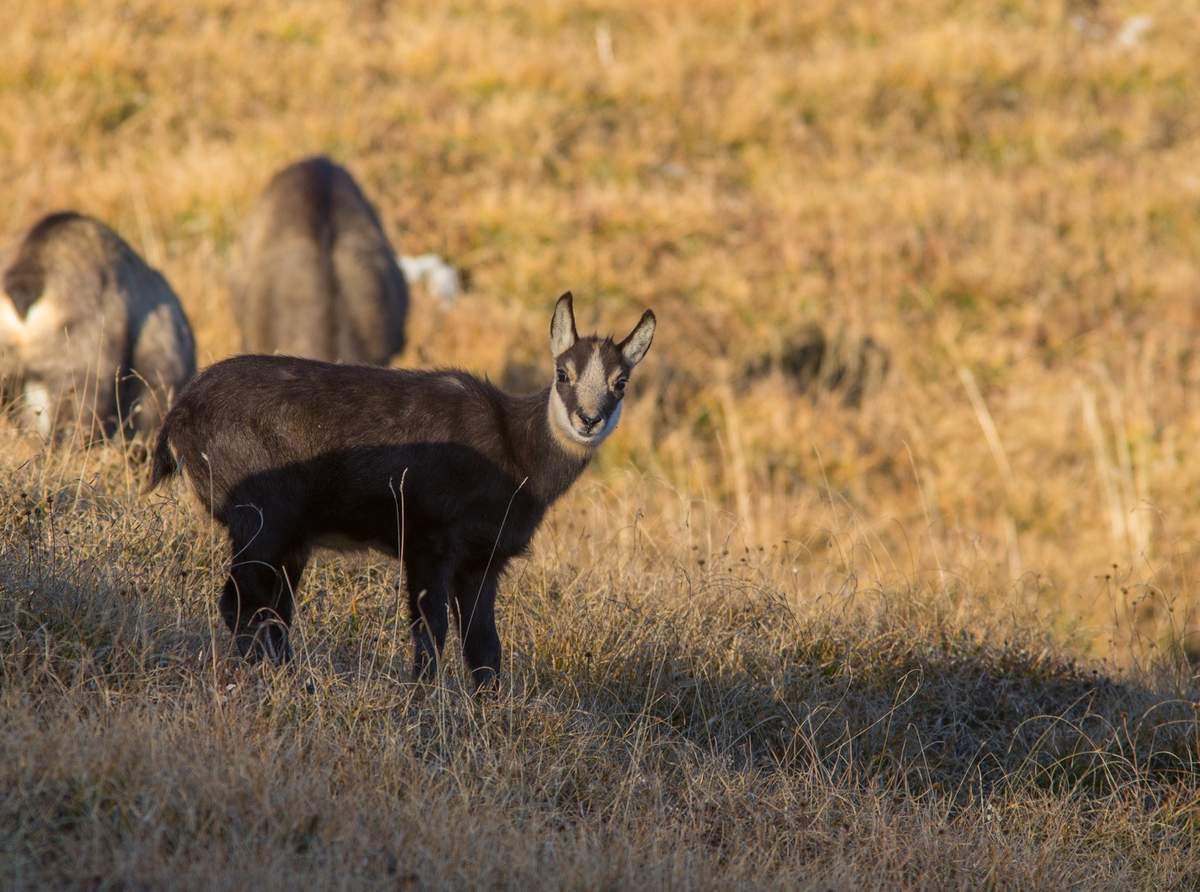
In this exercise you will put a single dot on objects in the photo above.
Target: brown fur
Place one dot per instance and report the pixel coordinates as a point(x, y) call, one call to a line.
point(89, 334)
point(439, 467)
point(318, 277)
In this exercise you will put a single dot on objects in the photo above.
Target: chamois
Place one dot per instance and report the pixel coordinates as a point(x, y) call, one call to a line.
point(317, 276)
point(90, 335)
point(439, 468)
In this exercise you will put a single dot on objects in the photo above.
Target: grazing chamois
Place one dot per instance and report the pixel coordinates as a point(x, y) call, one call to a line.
point(90, 335)
point(317, 276)
point(439, 468)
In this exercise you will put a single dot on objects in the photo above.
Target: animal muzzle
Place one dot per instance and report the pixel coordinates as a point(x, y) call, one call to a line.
point(588, 424)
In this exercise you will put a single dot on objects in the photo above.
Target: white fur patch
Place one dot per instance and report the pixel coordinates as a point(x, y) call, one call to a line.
point(565, 433)
point(43, 318)
point(10, 324)
point(592, 385)
point(37, 399)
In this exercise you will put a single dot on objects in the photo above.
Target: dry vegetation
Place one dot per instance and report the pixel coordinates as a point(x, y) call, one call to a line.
point(940, 637)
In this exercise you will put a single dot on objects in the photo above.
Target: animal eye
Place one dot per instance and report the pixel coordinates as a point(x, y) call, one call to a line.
point(562, 376)
point(619, 386)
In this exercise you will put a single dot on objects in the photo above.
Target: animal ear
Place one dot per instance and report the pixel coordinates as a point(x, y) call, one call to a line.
point(562, 326)
point(634, 347)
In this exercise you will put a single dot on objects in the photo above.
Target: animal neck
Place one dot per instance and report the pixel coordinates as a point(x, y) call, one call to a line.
point(550, 460)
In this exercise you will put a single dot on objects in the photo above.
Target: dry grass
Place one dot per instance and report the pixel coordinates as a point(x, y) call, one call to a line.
point(939, 638)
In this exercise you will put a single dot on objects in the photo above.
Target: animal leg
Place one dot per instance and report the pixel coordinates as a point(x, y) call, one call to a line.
point(257, 603)
point(475, 612)
point(427, 598)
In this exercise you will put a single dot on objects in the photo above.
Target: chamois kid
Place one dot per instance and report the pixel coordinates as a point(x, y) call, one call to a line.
point(439, 468)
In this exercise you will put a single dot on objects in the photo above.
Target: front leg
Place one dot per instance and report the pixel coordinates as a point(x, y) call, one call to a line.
point(427, 599)
point(475, 612)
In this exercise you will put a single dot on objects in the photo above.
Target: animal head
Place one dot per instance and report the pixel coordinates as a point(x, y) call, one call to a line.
point(590, 376)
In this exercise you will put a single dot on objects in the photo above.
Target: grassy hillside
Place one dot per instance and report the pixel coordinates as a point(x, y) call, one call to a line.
point(936, 630)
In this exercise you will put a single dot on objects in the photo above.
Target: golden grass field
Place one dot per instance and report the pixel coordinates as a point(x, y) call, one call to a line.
point(940, 637)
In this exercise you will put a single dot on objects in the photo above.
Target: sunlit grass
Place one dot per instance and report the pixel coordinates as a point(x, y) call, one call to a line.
point(938, 636)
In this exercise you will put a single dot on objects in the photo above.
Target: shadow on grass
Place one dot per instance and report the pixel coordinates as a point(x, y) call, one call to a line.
point(63, 626)
point(893, 707)
point(872, 705)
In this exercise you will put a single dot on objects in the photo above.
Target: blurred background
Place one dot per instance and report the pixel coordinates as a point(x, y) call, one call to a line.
point(925, 271)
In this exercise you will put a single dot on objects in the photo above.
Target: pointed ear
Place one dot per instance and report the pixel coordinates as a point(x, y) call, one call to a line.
point(634, 347)
point(562, 326)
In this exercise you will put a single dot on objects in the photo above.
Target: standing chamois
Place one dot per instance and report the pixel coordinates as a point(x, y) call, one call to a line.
point(317, 276)
point(438, 467)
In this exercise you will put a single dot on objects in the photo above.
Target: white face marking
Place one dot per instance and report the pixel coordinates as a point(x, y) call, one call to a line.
point(37, 400)
point(592, 386)
point(560, 425)
point(568, 436)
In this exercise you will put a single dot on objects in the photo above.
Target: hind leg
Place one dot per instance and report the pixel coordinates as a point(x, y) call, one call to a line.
point(257, 602)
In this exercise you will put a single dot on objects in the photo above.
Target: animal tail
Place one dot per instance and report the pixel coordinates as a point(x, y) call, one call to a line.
point(164, 463)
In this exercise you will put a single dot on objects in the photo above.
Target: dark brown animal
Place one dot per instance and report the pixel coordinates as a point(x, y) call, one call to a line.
point(89, 334)
point(439, 468)
point(318, 277)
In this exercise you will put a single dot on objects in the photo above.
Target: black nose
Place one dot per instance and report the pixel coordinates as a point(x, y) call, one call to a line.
point(589, 420)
